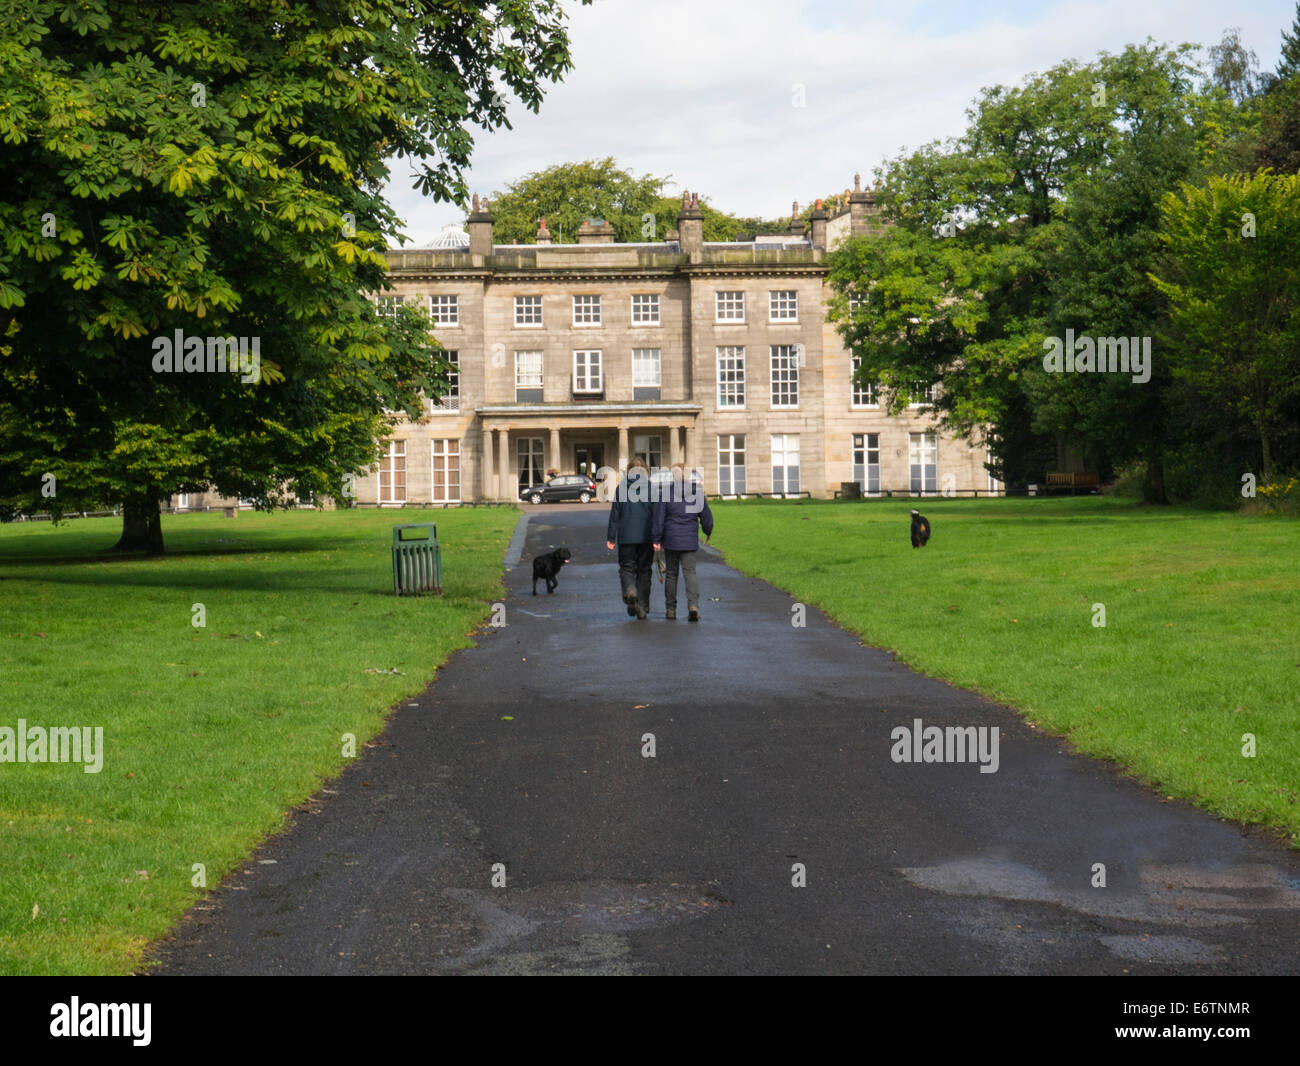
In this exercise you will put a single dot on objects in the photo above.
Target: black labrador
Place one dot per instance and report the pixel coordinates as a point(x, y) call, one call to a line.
point(920, 530)
point(548, 567)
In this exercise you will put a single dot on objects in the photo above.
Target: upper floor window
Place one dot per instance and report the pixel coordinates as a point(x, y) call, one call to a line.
point(783, 305)
point(645, 368)
point(729, 307)
point(528, 370)
point(731, 377)
point(785, 375)
point(528, 310)
point(386, 306)
point(863, 395)
point(444, 310)
point(587, 375)
point(645, 309)
point(919, 395)
point(451, 401)
point(586, 310)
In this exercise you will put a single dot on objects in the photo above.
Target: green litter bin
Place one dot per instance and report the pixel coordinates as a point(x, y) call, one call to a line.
point(417, 559)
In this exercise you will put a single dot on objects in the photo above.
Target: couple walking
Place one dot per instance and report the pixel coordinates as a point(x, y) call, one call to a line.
point(643, 522)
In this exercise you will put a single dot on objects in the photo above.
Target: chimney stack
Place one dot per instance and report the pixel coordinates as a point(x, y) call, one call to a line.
point(543, 234)
point(480, 227)
point(819, 218)
point(795, 229)
point(690, 227)
point(864, 212)
point(596, 231)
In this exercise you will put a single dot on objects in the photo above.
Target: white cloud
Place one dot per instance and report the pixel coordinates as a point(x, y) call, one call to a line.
point(701, 89)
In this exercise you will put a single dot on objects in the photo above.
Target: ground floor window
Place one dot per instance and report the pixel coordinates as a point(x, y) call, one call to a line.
point(731, 464)
point(446, 471)
point(183, 501)
point(392, 473)
point(923, 457)
point(785, 462)
point(649, 448)
point(866, 461)
point(532, 467)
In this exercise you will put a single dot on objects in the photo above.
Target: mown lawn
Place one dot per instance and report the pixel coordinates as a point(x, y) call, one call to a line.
point(212, 734)
point(1201, 643)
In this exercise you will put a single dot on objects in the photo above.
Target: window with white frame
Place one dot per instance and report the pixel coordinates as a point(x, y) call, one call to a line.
point(856, 303)
point(649, 447)
point(731, 464)
point(392, 473)
point(528, 310)
point(645, 309)
point(646, 371)
point(922, 456)
point(528, 370)
point(386, 306)
point(785, 375)
point(783, 305)
point(866, 462)
point(729, 307)
point(587, 375)
point(918, 394)
point(446, 471)
point(785, 462)
point(863, 395)
point(731, 377)
point(444, 310)
point(451, 401)
point(529, 452)
point(586, 310)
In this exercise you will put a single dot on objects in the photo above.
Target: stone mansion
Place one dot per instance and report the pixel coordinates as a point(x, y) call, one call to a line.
point(576, 357)
point(573, 358)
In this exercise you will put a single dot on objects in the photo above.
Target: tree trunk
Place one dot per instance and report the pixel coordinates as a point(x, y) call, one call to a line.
point(1268, 455)
point(1153, 488)
point(141, 526)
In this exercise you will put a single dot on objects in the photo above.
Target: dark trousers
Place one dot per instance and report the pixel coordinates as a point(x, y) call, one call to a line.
point(634, 565)
point(685, 561)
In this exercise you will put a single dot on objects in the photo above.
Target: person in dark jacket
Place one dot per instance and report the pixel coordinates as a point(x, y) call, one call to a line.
point(678, 518)
point(629, 528)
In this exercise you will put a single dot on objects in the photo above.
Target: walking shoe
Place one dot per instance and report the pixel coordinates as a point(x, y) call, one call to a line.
point(693, 614)
point(640, 613)
point(631, 611)
point(671, 614)
point(629, 596)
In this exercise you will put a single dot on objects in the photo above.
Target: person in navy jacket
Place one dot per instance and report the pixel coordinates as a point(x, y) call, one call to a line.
point(678, 518)
point(629, 529)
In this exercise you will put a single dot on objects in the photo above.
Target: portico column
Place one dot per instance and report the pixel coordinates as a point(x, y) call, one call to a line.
point(487, 492)
point(690, 458)
point(503, 459)
point(674, 446)
point(554, 459)
point(623, 454)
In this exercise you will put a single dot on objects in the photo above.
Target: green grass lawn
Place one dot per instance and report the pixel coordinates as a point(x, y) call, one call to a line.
point(1201, 643)
point(210, 734)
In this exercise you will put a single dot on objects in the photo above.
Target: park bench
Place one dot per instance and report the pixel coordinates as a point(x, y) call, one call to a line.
point(1072, 482)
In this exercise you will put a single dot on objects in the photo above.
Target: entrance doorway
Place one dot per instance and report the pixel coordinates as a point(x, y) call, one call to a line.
point(590, 458)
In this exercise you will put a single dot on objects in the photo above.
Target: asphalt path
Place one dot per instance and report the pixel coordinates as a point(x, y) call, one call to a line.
point(512, 819)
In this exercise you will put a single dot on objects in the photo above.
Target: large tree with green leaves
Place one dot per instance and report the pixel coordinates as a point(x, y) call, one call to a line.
point(1041, 217)
point(568, 194)
point(214, 169)
point(1232, 277)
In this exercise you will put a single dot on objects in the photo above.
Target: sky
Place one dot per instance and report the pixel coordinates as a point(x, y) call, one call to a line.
point(707, 92)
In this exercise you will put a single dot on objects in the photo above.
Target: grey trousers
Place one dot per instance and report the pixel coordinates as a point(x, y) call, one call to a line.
point(686, 561)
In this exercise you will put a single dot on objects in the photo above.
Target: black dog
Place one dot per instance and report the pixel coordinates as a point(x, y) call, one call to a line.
point(548, 567)
point(920, 530)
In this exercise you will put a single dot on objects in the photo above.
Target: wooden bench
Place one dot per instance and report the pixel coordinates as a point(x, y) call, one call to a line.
point(1075, 482)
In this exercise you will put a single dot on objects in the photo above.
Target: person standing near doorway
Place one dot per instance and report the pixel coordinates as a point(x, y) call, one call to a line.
point(675, 528)
point(630, 516)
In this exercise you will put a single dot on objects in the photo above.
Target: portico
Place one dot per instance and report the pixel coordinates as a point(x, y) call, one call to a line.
point(521, 442)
